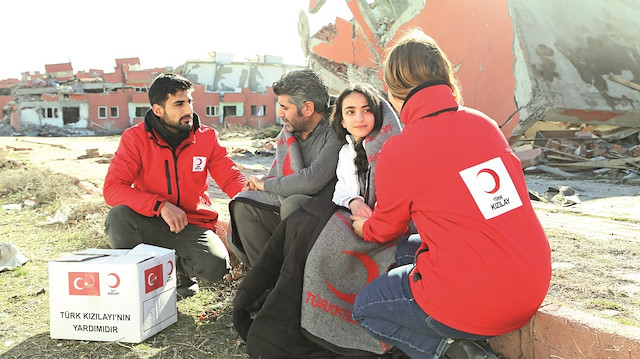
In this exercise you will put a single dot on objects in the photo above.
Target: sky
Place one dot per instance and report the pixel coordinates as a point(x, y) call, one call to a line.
point(91, 34)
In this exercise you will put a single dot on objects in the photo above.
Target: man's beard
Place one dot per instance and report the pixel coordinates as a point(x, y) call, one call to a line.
point(180, 126)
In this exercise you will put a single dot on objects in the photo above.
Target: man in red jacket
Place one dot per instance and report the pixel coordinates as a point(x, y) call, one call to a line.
point(157, 183)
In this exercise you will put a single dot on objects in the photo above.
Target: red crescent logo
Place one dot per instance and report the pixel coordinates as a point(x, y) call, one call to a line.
point(170, 270)
point(496, 179)
point(372, 273)
point(198, 161)
point(117, 283)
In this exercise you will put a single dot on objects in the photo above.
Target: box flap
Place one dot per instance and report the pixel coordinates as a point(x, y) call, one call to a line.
point(149, 251)
point(80, 257)
point(110, 252)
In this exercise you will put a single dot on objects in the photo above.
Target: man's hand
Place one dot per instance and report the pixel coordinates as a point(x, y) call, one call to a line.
point(359, 208)
point(256, 183)
point(246, 187)
point(358, 222)
point(174, 216)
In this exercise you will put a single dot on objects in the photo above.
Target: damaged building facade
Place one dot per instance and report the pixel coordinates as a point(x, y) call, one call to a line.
point(226, 93)
point(519, 61)
point(236, 93)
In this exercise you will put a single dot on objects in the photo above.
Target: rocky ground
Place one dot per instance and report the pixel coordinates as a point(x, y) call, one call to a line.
point(594, 231)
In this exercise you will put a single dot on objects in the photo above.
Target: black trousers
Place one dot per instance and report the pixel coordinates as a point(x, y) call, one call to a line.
point(199, 251)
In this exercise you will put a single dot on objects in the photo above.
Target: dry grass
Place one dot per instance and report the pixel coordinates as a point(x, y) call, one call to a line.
point(592, 275)
point(204, 327)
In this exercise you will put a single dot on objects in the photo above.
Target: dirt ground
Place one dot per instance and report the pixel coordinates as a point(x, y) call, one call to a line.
point(595, 242)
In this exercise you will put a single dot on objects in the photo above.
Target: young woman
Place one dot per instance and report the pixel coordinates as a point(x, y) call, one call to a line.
point(357, 114)
point(483, 266)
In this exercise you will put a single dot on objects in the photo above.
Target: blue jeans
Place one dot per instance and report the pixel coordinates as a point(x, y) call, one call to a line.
point(386, 309)
point(406, 249)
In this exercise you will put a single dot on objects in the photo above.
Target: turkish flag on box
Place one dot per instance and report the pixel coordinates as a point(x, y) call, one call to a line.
point(84, 283)
point(153, 278)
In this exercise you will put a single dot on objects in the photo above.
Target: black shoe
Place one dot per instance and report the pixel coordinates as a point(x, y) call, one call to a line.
point(186, 286)
point(469, 349)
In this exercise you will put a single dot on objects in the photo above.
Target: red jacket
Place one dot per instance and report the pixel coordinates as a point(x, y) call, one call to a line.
point(145, 172)
point(485, 263)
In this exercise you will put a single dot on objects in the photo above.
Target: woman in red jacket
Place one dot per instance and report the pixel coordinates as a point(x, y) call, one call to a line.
point(483, 264)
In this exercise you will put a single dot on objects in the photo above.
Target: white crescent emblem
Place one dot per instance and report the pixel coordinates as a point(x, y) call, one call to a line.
point(75, 284)
point(151, 280)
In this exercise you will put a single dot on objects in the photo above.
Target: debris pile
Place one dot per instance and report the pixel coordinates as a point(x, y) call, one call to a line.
point(604, 151)
point(562, 195)
point(45, 130)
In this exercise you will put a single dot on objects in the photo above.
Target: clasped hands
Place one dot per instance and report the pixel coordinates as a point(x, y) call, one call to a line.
point(254, 184)
point(360, 213)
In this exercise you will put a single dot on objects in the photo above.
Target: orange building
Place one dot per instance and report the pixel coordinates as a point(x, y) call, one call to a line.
point(110, 102)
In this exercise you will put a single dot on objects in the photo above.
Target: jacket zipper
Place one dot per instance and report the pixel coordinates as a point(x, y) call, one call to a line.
point(168, 175)
point(175, 169)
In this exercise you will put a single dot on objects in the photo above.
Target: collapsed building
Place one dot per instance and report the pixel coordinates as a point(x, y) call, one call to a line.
point(518, 61)
point(527, 64)
point(226, 93)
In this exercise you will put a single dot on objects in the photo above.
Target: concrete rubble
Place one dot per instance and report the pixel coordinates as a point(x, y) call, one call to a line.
point(518, 61)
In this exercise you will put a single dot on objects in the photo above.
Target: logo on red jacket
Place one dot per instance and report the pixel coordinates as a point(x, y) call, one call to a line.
point(153, 278)
point(84, 283)
point(372, 273)
point(199, 163)
point(492, 188)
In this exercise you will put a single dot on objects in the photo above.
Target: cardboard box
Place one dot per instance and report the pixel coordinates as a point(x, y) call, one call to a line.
point(112, 294)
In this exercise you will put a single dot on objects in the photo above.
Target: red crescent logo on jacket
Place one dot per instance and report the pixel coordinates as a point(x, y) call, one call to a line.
point(496, 179)
point(491, 187)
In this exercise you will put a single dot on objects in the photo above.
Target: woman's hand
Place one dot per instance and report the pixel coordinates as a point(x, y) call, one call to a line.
point(358, 222)
point(359, 208)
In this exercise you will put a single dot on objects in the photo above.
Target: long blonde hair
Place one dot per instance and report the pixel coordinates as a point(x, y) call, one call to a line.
point(415, 59)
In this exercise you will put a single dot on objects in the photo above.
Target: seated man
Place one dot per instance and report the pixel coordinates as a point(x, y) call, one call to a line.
point(305, 163)
point(157, 184)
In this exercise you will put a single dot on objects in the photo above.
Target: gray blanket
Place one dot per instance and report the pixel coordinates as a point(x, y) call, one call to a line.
point(340, 264)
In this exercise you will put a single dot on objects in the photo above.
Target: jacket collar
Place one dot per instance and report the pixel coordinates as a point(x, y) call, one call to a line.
point(427, 99)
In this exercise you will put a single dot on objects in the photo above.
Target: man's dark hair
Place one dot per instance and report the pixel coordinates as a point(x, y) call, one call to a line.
point(302, 86)
point(165, 84)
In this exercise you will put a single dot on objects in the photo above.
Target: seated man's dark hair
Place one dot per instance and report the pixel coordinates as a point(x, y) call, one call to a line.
point(166, 84)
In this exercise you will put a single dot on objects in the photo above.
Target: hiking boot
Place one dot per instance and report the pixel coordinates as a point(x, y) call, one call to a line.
point(469, 349)
point(186, 286)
